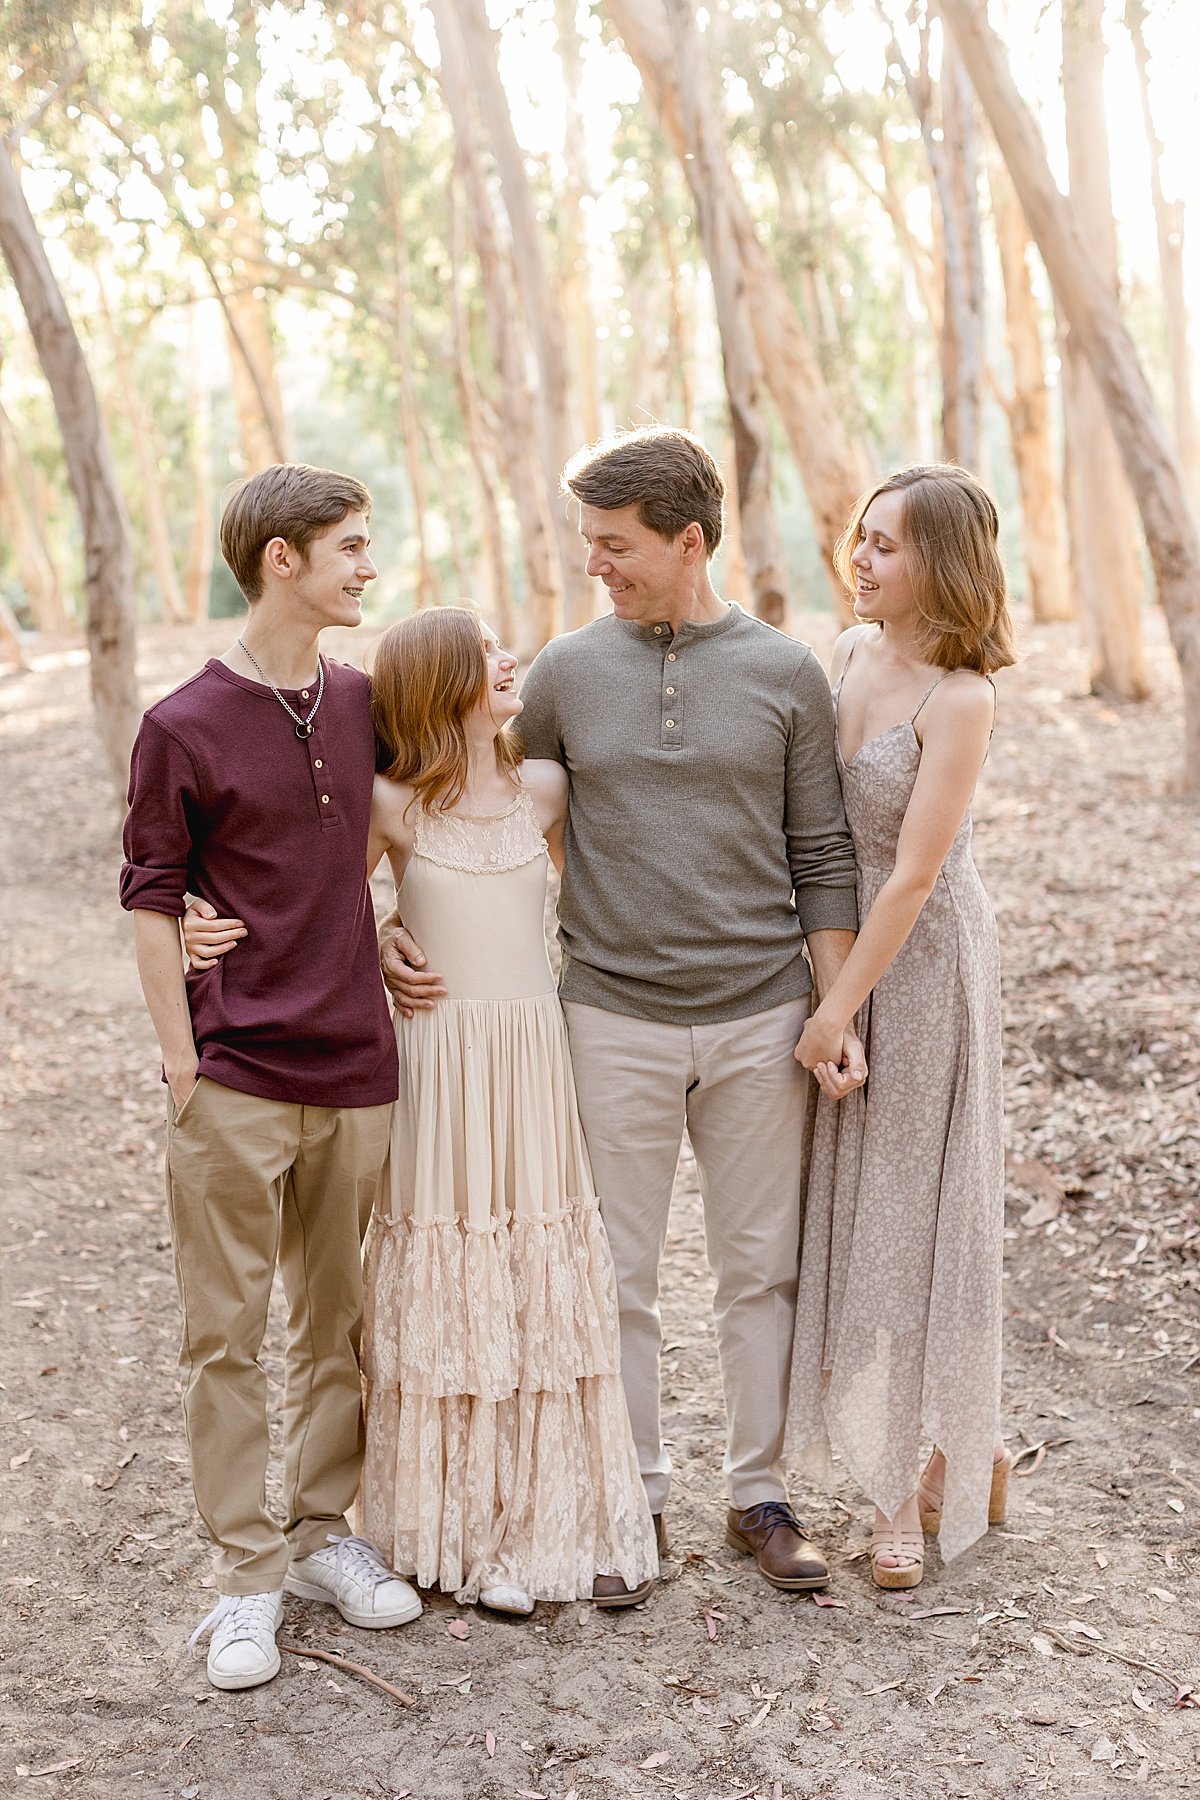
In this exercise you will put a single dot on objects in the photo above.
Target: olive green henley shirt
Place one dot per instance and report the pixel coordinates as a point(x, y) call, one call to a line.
point(706, 833)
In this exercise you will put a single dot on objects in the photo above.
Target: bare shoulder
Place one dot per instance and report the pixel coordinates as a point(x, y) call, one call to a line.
point(842, 648)
point(963, 702)
point(390, 817)
point(545, 780)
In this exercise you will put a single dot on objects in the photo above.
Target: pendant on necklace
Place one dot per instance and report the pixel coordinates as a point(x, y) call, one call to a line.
point(304, 729)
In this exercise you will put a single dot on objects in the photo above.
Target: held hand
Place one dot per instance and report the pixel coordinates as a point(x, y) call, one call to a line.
point(820, 1042)
point(837, 1081)
point(413, 987)
point(205, 937)
point(840, 1072)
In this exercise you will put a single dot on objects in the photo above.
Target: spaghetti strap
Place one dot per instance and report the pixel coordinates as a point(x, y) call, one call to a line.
point(850, 652)
point(937, 684)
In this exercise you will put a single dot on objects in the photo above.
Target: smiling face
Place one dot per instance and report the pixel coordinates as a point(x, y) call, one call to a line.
point(500, 700)
point(328, 583)
point(883, 588)
point(647, 576)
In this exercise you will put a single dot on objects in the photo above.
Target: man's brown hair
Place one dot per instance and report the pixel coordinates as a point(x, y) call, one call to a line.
point(666, 473)
point(292, 501)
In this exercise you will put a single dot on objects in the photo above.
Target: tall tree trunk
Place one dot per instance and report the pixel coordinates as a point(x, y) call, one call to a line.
point(1103, 524)
point(108, 569)
point(262, 427)
point(154, 500)
point(950, 135)
point(197, 581)
point(963, 313)
point(21, 502)
point(1168, 218)
point(480, 445)
point(520, 429)
point(572, 225)
point(1091, 309)
point(832, 470)
point(410, 425)
point(704, 159)
point(1043, 527)
point(541, 303)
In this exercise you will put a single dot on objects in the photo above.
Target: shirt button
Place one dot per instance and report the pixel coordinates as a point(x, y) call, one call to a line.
point(304, 693)
point(318, 764)
point(669, 690)
point(324, 799)
point(670, 724)
point(658, 631)
point(670, 656)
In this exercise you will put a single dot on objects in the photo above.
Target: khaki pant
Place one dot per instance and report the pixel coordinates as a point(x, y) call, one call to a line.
point(743, 1096)
point(250, 1183)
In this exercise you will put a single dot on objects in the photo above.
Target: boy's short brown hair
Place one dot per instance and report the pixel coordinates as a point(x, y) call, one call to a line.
point(666, 473)
point(292, 501)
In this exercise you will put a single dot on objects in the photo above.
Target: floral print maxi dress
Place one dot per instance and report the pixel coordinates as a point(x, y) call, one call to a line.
point(898, 1322)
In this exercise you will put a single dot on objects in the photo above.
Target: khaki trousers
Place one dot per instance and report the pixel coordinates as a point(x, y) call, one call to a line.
point(743, 1097)
point(250, 1183)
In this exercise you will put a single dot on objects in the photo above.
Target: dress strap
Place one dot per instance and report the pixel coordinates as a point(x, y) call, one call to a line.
point(850, 652)
point(928, 692)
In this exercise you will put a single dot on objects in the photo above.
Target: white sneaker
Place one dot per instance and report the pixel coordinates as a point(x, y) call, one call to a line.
point(352, 1575)
point(504, 1598)
point(242, 1653)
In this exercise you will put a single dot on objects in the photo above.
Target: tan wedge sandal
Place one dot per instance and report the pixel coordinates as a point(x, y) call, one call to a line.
point(893, 1540)
point(931, 1511)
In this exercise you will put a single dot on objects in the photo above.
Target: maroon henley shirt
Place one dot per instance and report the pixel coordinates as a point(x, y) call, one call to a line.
point(226, 802)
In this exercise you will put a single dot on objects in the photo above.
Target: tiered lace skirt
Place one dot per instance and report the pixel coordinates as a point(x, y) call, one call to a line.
point(498, 1442)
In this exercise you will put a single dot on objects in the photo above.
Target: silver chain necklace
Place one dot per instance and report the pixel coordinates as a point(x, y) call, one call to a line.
point(304, 727)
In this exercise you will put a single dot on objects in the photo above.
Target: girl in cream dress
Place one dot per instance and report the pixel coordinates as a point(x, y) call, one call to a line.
point(500, 1464)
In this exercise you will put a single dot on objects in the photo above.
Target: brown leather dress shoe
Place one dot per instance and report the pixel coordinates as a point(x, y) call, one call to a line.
point(774, 1536)
point(609, 1591)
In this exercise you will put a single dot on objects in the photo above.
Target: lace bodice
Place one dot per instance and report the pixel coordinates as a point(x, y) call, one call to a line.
point(481, 844)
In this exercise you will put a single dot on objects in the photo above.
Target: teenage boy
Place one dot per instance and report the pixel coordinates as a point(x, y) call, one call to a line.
point(251, 787)
point(705, 846)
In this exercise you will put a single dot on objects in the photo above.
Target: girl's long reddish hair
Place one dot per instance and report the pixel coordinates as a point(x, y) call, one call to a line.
point(428, 674)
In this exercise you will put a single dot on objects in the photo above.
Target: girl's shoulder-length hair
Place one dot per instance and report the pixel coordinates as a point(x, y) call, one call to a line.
point(952, 542)
point(428, 674)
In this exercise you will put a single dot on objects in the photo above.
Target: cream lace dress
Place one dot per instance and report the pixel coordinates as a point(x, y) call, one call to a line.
point(498, 1442)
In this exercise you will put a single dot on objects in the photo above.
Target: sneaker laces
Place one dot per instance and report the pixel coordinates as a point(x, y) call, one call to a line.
point(358, 1558)
point(769, 1514)
point(248, 1614)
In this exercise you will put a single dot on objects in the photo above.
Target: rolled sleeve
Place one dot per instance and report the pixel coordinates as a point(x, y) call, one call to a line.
point(157, 840)
point(537, 726)
point(820, 849)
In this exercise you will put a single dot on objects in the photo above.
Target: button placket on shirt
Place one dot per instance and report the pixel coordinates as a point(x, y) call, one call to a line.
point(671, 698)
point(322, 786)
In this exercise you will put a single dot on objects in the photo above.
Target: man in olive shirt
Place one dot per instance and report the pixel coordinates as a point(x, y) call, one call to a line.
point(705, 845)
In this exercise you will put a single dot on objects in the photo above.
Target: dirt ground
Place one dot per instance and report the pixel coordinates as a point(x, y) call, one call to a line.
point(1053, 1659)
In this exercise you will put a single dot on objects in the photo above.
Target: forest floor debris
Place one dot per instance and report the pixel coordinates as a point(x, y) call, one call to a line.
point(1061, 1657)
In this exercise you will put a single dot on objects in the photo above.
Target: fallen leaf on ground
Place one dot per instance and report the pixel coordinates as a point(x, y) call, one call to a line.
point(1164, 1594)
point(460, 1629)
point(1103, 1750)
point(489, 1742)
point(56, 1768)
point(18, 1462)
point(1041, 1644)
point(828, 1600)
point(884, 1688)
point(1140, 1700)
point(937, 1612)
point(657, 1760)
